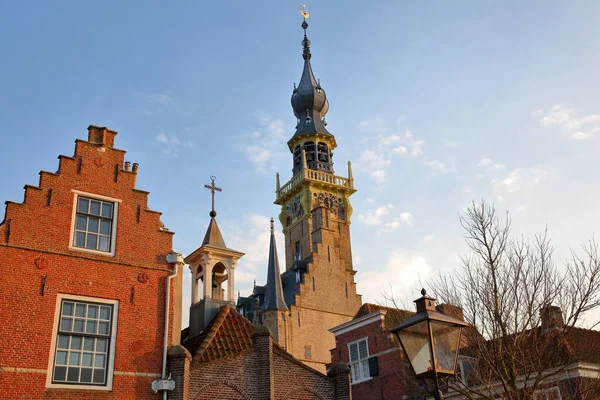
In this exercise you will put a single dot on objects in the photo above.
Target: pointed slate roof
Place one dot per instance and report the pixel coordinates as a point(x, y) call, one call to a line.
point(228, 334)
point(213, 235)
point(274, 299)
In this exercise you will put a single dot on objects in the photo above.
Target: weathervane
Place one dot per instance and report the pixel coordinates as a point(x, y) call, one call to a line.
point(305, 43)
point(213, 189)
point(303, 11)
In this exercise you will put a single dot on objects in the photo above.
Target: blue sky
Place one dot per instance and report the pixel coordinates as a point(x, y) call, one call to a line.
point(435, 103)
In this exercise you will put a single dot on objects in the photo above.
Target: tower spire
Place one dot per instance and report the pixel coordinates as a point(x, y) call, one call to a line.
point(274, 299)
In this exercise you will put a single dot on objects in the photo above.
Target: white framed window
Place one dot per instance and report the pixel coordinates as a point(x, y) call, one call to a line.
point(83, 343)
point(94, 225)
point(552, 393)
point(359, 360)
point(466, 367)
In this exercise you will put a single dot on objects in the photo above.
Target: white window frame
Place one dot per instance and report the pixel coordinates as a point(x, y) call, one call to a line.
point(361, 362)
point(113, 236)
point(542, 394)
point(110, 368)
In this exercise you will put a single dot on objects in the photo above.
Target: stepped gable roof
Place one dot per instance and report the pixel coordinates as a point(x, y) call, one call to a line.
point(213, 235)
point(228, 334)
point(393, 316)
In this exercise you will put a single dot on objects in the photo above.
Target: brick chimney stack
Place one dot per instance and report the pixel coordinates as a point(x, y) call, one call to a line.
point(551, 317)
point(101, 135)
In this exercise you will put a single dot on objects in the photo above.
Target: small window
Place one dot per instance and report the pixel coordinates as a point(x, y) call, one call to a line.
point(466, 367)
point(83, 344)
point(359, 360)
point(552, 393)
point(307, 352)
point(297, 251)
point(93, 224)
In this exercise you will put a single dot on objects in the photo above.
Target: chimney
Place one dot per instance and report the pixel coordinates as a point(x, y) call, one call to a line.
point(102, 136)
point(551, 317)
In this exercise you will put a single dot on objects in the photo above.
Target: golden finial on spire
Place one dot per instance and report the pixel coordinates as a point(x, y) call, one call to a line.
point(303, 11)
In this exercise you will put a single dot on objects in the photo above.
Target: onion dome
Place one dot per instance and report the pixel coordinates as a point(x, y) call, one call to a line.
point(308, 99)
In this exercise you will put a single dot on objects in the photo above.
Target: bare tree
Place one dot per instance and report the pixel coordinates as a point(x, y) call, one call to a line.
point(505, 286)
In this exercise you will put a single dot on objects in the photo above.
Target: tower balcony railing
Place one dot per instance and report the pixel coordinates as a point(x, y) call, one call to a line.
point(315, 176)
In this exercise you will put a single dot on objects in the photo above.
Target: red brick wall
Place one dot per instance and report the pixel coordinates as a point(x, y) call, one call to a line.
point(390, 384)
point(34, 243)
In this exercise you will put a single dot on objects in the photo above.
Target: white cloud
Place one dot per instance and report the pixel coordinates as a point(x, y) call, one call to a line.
point(370, 200)
point(373, 217)
point(450, 143)
point(402, 272)
point(373, 125)
point(428, 238)
point(568, 123)
point(263, 147)
point(438, 166)
point(486, 162)
point(170, 144)
point(519, 178)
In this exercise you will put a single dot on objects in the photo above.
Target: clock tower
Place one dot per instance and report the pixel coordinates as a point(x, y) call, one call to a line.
point(315, 215)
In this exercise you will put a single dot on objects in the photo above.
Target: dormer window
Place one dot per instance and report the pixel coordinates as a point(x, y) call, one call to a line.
point(308, 120)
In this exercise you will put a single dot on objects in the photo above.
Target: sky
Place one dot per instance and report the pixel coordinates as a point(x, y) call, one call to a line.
point(435, 103)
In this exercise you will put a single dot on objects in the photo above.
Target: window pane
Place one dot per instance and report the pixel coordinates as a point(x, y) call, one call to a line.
point(88, 344)
point(103, 328)
point(99, 360)
point(362, 349)
point(93, 311)
point(63, 342)
point(81, 223)
point(82, 205)
point(105, 227)
point(103, 243)
point(73, 375)
point(104, 312)
point(78, 325)
point(95, 207)
point(65, 324)
point(93, 225)
point(101, 345)
point(74, 359)
point(353, 352)
point(107, 210)
point(61, 357)
point(67, 308)
point(98, 376)
point(60, 373)
point(86, 375)
point(80, 310)
point(79, 239)
point(91, 327)
point(91, 241)
point(86, 360)
point(76, 342)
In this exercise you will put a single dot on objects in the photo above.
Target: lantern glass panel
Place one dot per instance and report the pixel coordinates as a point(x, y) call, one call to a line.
point(415, 340)
point(445, 339)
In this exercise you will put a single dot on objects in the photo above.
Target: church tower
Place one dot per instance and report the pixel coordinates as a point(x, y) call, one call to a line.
point(319, 285)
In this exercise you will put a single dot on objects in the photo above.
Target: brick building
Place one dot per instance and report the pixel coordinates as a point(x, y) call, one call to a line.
point(84, 282)
point(316, 291)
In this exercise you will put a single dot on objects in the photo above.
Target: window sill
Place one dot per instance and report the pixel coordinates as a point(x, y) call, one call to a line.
point(362, 381)
point(90, 251)
point(61, 386)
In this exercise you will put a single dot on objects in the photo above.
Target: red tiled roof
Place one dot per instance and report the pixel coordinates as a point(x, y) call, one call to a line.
point(584, 345)
point(229, 333)
point(393, 316)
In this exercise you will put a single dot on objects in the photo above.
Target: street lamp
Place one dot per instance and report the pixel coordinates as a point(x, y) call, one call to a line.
point(431, 340)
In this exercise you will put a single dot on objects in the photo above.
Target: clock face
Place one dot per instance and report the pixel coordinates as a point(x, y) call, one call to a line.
point(333, 203)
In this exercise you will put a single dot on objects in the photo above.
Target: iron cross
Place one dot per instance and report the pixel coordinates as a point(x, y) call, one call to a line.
point(212, 189)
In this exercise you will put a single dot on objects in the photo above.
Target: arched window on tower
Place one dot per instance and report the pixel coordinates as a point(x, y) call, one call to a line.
point(309, 149)
point(297, 158)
